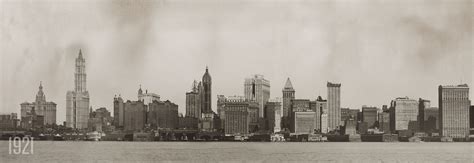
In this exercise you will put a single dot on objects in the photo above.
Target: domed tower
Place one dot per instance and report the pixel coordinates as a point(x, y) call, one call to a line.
point(40, 95)
point(206, 99)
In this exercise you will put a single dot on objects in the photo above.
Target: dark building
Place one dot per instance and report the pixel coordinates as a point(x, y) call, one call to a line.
point(9, 121)
point(119, 112)
point(345, 114)
point(272, 110)
point(302, 117)
point(431, 120)
point(354, 114)
point(100, 120)
point(163, 114)
point(187, 122)
point(32, 120)
point(422, 105)
point(471, 117)
point(206, 93)
point(134, 116)
point(369, 115)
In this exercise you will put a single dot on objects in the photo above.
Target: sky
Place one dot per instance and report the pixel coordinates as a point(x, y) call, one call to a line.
point(377, 49)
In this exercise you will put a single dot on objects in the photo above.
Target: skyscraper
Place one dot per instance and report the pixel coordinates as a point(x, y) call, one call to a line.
point(206, 100)
point(42, 107)
point(193, 102)
point(77, 101)
point(118, 112)
point(403, 111)
point(422, 105)
point(454, 106)
point(288, 95)
point(257, 89)
point(334, 105)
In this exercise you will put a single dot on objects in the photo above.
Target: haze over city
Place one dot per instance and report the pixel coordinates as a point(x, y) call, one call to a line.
point(378, 51)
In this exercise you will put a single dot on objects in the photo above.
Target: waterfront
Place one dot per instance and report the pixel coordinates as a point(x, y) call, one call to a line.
point(79, 151)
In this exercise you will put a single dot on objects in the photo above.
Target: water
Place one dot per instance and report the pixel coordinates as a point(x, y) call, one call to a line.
point(61, 151)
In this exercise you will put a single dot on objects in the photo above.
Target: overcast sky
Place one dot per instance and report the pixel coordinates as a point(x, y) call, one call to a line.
point(378, 50)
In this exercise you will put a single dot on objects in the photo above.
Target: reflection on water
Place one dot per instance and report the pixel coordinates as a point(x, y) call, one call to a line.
point(56, 151)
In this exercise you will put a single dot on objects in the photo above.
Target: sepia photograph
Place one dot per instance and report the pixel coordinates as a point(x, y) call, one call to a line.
point(330, 81)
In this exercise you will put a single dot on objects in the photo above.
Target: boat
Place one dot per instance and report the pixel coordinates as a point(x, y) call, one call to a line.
point(371, 137)
point(337, 138)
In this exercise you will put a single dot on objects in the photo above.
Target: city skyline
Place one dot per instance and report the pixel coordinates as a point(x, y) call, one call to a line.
point(382, 68)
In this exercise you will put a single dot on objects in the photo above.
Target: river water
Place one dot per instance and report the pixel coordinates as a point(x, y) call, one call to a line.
point(70, 151)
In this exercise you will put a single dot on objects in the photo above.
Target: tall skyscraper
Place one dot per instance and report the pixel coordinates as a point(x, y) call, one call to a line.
point(454, 106)
point(77, 101)
point(206, 100)
point(118, 112)
point(257, 89)
point(403, 111)
point(320, 109)
point(42, 107)
point(288, 95)
point(334, 105)
point(422, 105)
point(193, 102)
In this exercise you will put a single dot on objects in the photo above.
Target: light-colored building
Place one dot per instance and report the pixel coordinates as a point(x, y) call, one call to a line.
point(454, 106)
point(146, 97)
point(324, 123)
point(257, 89)
point(403, 112)
point(77, 101)
point(42, 107)
point(288, 95)
point(334, 105)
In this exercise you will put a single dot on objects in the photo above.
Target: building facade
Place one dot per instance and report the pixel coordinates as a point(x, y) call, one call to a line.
point(369, 115)
point(77, 101)
point(237, 116)
point(257, 89)
point(135, 116)
point(422, 105)
point(162, 114)
point(321, 108)
point(193, 102)
point(431, 120)
point(272, 116)
point(119, 112)
point(454, 106)
point(42, 107)
point(403, 111)
point(334, 105)
point(384, 122)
